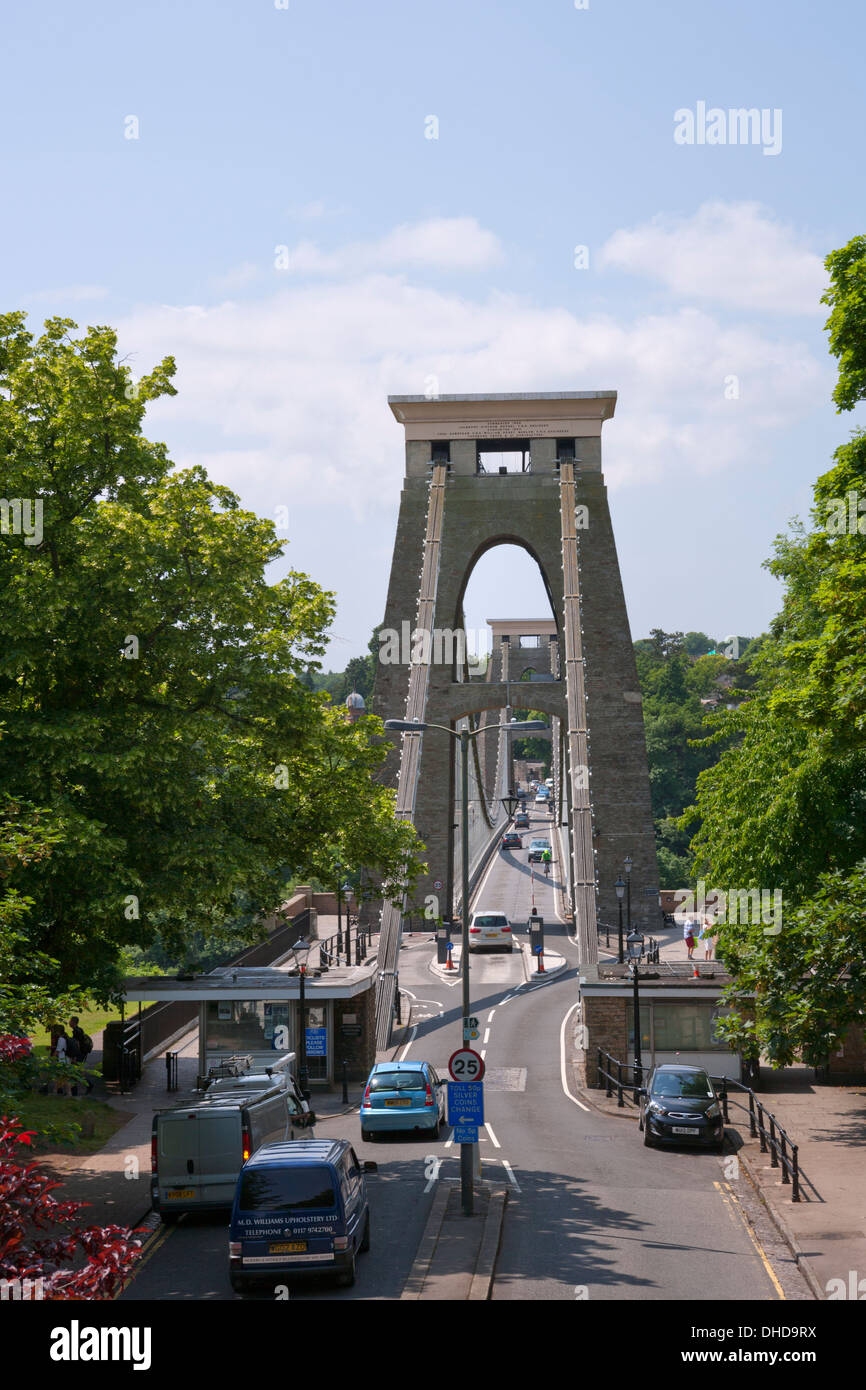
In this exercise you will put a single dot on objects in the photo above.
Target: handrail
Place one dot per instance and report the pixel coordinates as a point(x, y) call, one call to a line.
point(776, 1137)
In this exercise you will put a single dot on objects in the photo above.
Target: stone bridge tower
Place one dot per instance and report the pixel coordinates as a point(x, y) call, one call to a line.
point(461, 496)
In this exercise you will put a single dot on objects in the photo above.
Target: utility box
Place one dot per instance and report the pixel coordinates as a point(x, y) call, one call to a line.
point(536, 933)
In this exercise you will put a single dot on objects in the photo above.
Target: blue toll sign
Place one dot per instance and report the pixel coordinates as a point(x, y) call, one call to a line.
point(466, 1103)
point(465, 1134)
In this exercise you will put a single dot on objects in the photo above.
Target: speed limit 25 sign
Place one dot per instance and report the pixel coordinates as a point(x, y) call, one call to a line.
point(465, 1065)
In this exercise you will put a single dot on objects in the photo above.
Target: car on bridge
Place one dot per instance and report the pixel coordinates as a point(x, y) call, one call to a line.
point(537, 848)
point(511, 840)
point(521, 821)
point(489, 929)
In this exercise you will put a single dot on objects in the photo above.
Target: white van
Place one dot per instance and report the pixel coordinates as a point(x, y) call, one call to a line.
point(198, 1150)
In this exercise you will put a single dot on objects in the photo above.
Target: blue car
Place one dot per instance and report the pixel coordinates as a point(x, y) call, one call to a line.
point(402, 1095)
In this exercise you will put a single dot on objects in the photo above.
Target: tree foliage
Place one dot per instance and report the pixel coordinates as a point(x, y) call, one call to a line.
point(152, 698)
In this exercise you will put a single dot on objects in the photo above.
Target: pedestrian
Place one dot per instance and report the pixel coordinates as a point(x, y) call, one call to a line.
point(708, 936)
point(61, 1054)
point(689, 936)
point(85, 1046)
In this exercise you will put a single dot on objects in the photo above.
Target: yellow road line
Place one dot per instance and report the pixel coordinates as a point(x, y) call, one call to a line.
point(752, 1234)
point(153, 1245)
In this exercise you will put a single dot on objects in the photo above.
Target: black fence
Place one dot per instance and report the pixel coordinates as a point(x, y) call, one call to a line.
point(348, 946)
point(651, 946)
point(763, 1125)
point(624, 1077)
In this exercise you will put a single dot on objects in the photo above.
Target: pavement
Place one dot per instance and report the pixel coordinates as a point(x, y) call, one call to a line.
point(826, 1229)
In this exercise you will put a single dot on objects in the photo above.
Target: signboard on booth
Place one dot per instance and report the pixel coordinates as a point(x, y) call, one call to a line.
point(316, 1042)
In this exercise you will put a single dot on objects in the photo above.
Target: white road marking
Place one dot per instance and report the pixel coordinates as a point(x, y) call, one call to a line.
point(410, 1042)
point(492, 1135)
point(483, 1053)
point(562, 1071)
point(490, 1015)
point(449, 1141)
point(511, 1178)
point(486, 1036)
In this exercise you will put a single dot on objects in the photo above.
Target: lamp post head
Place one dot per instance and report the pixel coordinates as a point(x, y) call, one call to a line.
point(620, 887)
point(635, 944)
point(405, 725)
point(628, 862)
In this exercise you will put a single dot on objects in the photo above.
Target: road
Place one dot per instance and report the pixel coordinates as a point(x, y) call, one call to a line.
point(592, 1214)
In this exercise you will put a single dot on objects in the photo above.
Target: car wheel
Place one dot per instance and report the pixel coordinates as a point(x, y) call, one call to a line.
point(367, 1136)
point(720, 1146)
point(365, 1239)
point(648, 1143)
point(346, 1277)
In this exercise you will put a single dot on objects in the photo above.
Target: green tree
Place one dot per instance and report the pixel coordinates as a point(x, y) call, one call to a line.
point(152, 681)
point(785, 804)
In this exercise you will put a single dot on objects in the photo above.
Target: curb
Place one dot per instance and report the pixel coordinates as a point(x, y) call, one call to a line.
point(781, 1225)
point(485, 1269)
point(427, 1245)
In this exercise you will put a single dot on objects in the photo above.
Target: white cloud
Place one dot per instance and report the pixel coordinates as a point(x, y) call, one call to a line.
point(283, 397)
point(733, 254)
point(442, 243)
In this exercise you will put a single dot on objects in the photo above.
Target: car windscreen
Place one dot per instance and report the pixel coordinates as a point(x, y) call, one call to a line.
point(287, 1189)
point(687, 1084)
point(398, 1081)
point(491, 919)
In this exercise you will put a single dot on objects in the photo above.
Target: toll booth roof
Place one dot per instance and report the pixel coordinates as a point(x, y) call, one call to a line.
point(250, 982)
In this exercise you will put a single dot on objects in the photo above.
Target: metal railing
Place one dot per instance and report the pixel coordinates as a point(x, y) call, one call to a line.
point(651, 946)
point(763, 1125)
point(614, 1079)
point(337, 949)
point(171, 1071)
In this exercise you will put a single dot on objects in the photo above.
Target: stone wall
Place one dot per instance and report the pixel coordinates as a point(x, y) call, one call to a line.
point(606, 1023)
point(358, 1052)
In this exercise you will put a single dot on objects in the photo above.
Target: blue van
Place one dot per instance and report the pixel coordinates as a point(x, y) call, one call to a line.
point(299, 1208)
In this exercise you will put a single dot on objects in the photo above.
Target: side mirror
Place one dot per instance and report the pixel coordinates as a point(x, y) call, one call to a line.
point(642, 1090)
point(370, 1167)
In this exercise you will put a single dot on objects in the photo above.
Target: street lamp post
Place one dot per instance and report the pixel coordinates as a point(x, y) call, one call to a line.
point(628, 862)
point(300, 951)
point(464, 735)
point(620, 889)
point(635, 943)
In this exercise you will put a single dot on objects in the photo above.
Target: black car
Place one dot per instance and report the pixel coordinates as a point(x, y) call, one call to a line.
point(680, 1106)
point(511, 841)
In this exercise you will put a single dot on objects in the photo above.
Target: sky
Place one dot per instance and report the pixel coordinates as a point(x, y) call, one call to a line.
point(313, 204)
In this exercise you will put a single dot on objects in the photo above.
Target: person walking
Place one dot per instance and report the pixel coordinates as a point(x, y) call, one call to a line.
point(85, 1046)
point(689, 936)
point(61, 1054)
point(708, 936)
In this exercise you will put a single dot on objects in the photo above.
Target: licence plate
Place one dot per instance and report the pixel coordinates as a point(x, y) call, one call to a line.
point(180, 1194)
point(289, 1247)
point(491, 934)
point(683, 1129)
point(398, 1102)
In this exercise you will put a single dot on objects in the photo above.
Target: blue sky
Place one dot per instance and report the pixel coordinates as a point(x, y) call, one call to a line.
point(304, 128)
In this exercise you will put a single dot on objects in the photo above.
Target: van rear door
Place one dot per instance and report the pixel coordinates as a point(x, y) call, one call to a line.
point(177, 1152)
point(220, 1154)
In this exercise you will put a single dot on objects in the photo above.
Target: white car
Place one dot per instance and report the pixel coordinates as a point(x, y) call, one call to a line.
point(489, 929)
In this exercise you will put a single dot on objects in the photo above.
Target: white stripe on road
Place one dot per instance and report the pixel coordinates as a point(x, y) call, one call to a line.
point(490, 1015)
point(410, 1042)
point(492, 1135)
point(562, 1071)
point(483, 1052)
point(486, 1036)
point(511, 1178)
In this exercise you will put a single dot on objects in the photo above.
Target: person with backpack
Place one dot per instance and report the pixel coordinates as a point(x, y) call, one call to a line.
point(79, 1046)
